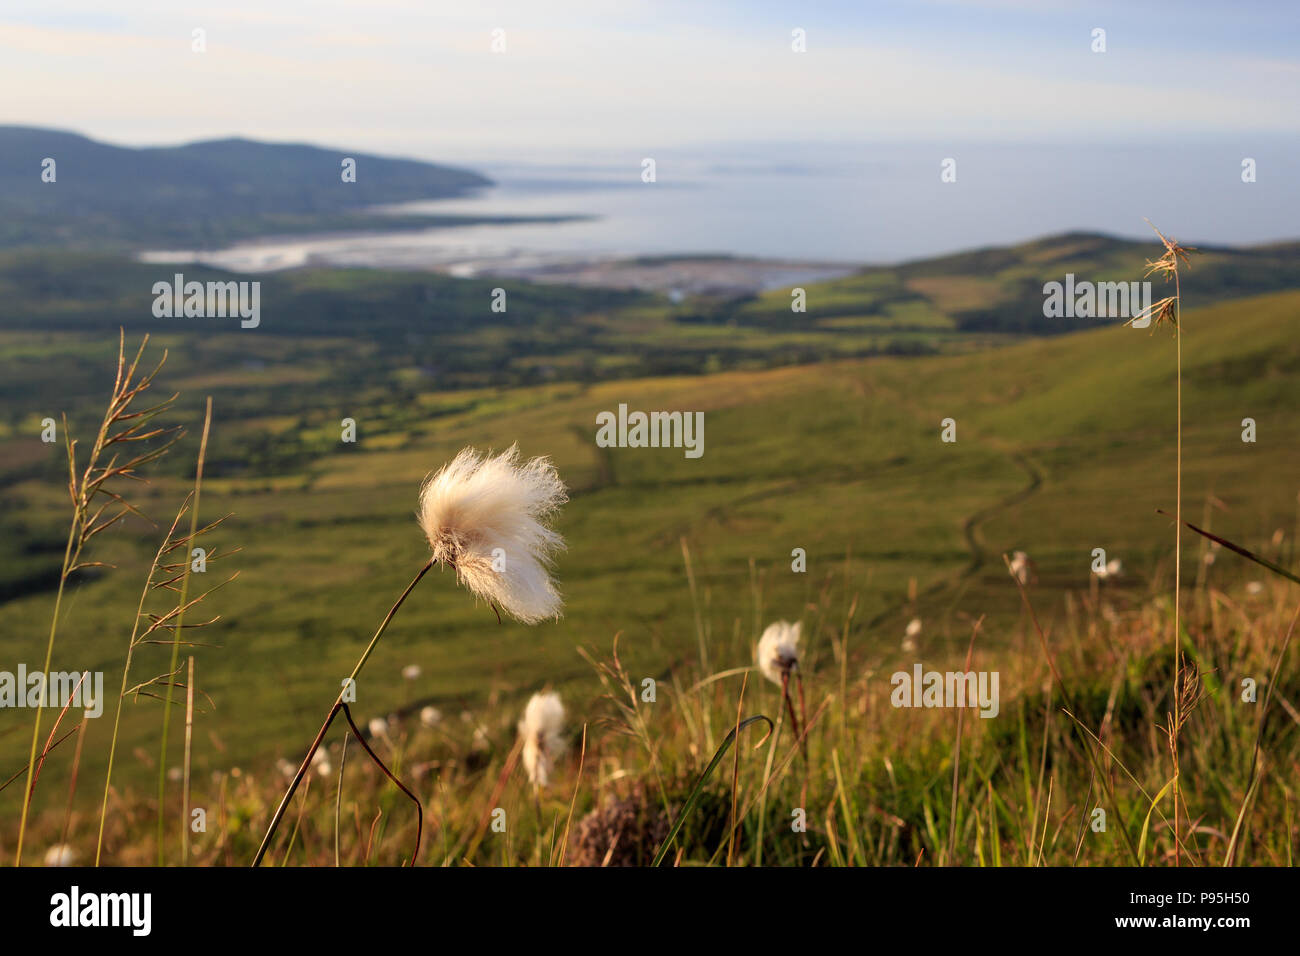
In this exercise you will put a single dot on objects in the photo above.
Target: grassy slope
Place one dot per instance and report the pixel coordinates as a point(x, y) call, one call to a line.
point(840, 459)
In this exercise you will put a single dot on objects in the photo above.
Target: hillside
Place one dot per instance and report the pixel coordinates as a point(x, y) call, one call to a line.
point(999, 290)
point(422, 330)
point(1064, 445)
point(203, 193)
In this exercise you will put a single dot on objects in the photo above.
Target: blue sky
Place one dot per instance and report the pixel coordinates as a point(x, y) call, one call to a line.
point(419, 77)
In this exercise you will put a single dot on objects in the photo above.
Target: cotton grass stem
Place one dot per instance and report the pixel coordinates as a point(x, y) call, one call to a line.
point(419, 807)
point(333, 712)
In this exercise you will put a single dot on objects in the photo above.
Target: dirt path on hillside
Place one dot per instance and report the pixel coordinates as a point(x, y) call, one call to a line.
point(970, 525)
point(979, 554)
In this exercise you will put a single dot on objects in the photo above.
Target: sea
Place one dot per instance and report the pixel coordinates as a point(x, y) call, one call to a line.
point(827, 205)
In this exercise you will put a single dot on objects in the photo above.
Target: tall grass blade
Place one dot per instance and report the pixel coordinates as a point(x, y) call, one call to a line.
point(1250, 555)
point(176, 637)
point(1146, 823)
point(694, 796)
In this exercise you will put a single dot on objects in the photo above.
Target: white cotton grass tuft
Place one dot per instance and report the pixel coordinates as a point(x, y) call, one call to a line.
point(910, 635)
point(540, 729)
point(1022, 569)
point(61, 855)
point(778, 650)
point(411, 672)
point(1114, 568)
point(320, 762)
point(489, 518)
point(430, 716)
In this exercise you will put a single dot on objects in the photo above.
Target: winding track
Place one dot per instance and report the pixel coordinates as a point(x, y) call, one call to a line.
point(970, 526)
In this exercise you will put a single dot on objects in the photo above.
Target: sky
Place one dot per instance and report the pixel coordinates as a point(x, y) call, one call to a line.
point(420, 78)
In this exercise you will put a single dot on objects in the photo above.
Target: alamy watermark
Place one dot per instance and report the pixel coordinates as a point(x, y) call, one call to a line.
point(922, 688)
point(1098, 300)
point(213, 300)
point(651, 430)
point(83, 690)
point(133, 911)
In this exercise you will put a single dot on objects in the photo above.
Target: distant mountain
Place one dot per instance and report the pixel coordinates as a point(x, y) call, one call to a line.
point(206, 192)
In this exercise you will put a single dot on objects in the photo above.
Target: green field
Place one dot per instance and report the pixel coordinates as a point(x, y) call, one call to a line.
point(1063, 445)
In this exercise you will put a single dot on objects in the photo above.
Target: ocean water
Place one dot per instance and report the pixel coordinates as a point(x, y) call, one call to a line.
point(836, 203)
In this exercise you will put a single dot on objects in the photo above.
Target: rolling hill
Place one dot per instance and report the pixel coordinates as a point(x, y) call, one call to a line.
point(202, 194)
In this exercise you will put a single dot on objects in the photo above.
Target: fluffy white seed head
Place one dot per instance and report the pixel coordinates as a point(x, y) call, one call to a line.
point(489, 518)
point(411, 672)
point(431, 716)
point(778, 649)
point(60, 855)
point(320, 762)
point(910, 634)
point(1021, 567)
point(541, 730)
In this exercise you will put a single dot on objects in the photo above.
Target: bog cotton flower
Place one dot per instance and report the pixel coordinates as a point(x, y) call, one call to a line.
point(320, 762)
point(1021, 567)
point(910, 635)
point(431, 716)
point(60, 855)
point(778, 650)
point(489, 518)
point(540, 730)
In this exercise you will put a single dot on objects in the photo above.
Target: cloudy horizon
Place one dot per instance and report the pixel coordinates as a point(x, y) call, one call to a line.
point(421, 80)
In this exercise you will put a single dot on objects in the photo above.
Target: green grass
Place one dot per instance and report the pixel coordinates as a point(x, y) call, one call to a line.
point(843, 460)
